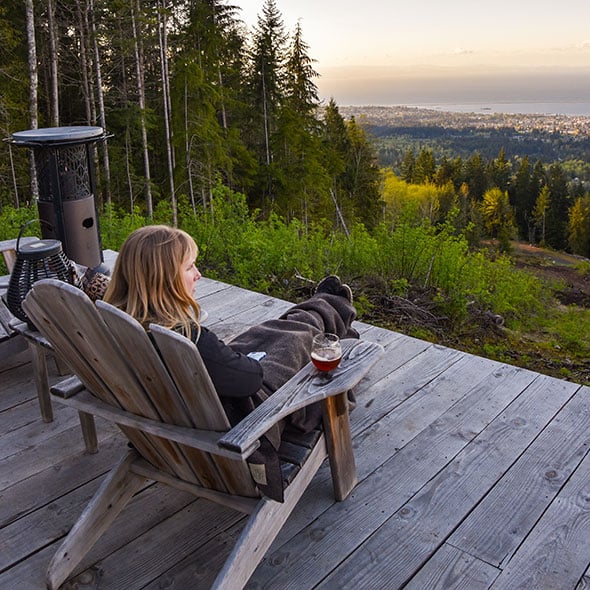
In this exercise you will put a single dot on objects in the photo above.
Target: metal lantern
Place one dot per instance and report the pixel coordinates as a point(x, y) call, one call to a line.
point(42, 259)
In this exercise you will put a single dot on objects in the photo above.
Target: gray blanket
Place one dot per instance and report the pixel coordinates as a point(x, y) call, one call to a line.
point(287, 340)
point(287, 344)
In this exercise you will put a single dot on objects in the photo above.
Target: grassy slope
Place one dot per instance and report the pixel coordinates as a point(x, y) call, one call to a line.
point(556, 343)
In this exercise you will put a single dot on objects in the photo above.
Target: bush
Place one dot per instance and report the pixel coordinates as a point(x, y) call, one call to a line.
point(269, 255)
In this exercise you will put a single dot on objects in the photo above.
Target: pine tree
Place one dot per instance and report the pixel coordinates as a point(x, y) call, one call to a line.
point(363, 177)
point(556, 231)
point(265, 86)
point(539, 213)
point(14, 98)
point(475, 176)
point(408, 166)
point(301, 92)
point(500, 171)
point(522, 196)
point(444, 172)
point(336, 146)
point(498, 216)
point(424, 168)
point(579, 226)
point(204, 92)
point(304, 182)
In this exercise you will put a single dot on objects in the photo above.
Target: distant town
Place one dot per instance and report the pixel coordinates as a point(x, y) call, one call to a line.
point(403, 116)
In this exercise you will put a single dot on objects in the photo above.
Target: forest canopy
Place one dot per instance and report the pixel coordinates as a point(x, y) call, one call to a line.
point(192, 100)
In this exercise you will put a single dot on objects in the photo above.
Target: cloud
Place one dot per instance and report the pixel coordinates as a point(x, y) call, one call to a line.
point(584, 44)
point(461, 51)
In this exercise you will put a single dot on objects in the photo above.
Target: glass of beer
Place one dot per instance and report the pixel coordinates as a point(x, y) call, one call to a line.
point(326, 352)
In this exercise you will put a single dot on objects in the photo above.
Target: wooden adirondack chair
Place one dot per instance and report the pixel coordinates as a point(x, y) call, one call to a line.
point(159, 393)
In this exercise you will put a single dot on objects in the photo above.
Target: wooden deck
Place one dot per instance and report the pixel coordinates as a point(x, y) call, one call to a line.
point(472, 475)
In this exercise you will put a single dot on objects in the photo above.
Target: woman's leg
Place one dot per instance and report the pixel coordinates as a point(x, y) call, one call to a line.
point(287, 340)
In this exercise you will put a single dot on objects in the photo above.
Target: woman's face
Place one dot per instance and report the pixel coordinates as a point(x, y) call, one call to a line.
point(190, 275)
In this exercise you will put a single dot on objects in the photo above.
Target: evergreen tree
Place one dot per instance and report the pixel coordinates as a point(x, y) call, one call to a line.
point(579, 226)
point(408, 166)
point(301, 92)
point(475, 176)
point(539, 213)
point(522, 196)
point(204, 95)
point(538, 178)
point(336, 147)
point(14, 80)
point(444, 173)
point(499, 172)
point(424, 168)
point(556, 230)
point(363, 176)
point(498, 216)
point(304, 182)
point(266, 91)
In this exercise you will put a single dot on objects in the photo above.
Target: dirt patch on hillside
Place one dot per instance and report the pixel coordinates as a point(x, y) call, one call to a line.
point(572, 287)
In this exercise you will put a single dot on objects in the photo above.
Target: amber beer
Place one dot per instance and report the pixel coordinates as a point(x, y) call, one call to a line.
point(326, 352)
point(326, 359)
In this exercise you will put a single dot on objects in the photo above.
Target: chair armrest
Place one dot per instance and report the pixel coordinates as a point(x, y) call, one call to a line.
point(71, 392)
point(304, 388)
point(8, 250)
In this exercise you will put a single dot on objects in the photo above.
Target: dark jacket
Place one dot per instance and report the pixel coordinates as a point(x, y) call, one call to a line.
point(233, 373)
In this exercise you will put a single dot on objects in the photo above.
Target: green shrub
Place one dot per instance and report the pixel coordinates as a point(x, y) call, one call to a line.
point(269, 255)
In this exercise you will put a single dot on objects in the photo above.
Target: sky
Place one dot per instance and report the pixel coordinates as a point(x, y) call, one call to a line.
point(407, 51)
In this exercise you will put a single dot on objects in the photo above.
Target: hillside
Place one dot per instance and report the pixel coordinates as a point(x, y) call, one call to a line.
point(557, 345)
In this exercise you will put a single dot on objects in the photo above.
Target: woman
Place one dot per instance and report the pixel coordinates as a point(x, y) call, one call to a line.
point(154, 279)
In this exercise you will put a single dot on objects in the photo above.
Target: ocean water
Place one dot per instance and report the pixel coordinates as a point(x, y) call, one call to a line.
point(580, 109)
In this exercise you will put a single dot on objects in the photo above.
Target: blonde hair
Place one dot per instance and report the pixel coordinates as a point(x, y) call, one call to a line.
point(147, 278)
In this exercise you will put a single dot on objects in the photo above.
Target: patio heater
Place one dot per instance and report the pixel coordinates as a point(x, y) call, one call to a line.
point(65, 171)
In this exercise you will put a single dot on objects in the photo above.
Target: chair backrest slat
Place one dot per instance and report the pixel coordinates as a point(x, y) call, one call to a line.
point(190, 376)
point(152, 377)
point(71, 323)
point(116, 360)
point(188, 371)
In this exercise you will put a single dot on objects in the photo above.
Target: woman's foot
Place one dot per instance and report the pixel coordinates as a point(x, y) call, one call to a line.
point(334, 286)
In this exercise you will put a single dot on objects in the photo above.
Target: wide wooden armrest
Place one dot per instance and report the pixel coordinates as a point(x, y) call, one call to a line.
point(308, 386)
point(8, 250)
point(71, 392)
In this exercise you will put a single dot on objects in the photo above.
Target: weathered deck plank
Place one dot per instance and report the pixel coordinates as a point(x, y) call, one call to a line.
point(417, 529)
point(472, 475)
point(493, 533)
point(451, 569)
point(555, 553)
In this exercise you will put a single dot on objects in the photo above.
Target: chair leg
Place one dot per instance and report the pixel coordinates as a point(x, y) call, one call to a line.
point(339, 443)
point(112, 496)
point(89, 432)
point(61, 366)
point(264, 525)
point(41, 381)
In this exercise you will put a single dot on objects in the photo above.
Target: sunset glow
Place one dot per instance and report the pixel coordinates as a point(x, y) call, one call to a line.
point(360, 48)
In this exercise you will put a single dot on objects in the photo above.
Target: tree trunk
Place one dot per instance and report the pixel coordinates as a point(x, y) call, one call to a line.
point(266, 123)
point(219, 76)
point(140, 70)
point(33, 88)
point(128, 170)
point(97, 66)
point(14, 183)
point(53, 62)
point(163, 36)
point(86, 89)
point(187, 150)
